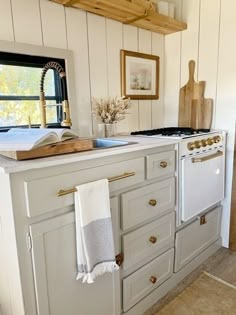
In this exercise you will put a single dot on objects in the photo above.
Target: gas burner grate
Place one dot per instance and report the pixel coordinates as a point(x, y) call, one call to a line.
point(170, 131)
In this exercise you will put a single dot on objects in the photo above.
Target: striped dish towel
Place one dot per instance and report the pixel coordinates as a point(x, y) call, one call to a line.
point(94, 235)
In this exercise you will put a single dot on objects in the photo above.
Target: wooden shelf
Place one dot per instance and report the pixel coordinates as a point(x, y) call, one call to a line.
point(133, 12)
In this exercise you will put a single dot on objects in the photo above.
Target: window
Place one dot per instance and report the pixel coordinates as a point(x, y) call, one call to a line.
point(19, 90)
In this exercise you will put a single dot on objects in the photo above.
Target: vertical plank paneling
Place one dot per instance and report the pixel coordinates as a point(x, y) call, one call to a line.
point(114, 33)
point(157, 112)
point(189, 51)
point(145, 106)
point(97, 58)
point(172, 78)
point(114, 44)
point(27, 21)
point(53, 24)
point(208, 49)
point(130, 42)
point(97, 55)
point(6, 29)
point(78, 42)
point(226, 98)
point(172, 72)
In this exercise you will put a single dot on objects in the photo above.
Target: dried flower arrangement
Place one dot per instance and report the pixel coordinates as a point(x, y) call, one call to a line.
point(111, 109)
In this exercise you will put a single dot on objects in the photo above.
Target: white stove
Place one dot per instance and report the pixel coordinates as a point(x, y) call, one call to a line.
point(200, 167)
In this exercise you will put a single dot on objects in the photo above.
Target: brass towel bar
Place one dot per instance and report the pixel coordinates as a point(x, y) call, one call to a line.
point(111, 179)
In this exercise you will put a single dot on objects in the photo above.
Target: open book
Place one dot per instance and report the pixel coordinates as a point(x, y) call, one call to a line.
point(22, 139)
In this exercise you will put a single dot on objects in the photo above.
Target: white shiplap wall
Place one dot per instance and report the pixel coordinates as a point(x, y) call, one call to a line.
point(96, 43)
point(209, 40)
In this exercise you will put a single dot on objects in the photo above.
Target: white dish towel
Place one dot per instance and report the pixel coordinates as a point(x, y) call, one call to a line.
point(94, 235)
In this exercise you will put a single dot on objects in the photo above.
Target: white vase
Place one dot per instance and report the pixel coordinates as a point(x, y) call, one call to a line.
point(101, 130)
point(110, 130)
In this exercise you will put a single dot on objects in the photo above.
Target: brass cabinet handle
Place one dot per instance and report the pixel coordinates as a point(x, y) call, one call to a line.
point(163, 164)
point(153, 279)
point(125, 175)
point(152, 202)
point(203, 220)
point(153, 239)
point(63, 192)
point(206, 158)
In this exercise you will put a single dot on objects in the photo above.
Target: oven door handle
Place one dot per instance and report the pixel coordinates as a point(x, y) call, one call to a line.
point(208, 157)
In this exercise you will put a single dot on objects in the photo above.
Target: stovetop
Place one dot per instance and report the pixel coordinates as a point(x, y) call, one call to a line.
point(179, 132)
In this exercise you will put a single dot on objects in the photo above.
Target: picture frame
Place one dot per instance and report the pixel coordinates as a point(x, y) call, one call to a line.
point(139, 75)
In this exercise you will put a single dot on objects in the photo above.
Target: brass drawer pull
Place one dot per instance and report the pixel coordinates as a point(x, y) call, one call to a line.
point(63, 192)
point(152, 202)
point(203, 220)
point(207, 158)
point(153, 279)
point(125, 175)
point(153, 239)
point(163, 164)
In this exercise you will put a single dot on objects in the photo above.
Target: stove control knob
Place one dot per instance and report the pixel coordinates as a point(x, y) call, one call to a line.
point(210, 141)
point(204, 142)
point(198, 144)
point(191, 146)
point(217, 139)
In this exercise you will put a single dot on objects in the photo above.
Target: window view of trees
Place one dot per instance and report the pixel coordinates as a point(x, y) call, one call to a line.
point(19, 95)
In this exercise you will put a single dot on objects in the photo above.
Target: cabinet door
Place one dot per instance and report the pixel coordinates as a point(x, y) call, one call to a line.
point(54, 264)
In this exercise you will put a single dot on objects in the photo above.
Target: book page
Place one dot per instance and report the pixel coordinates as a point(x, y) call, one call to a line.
point(64, 134)
point(25, 139)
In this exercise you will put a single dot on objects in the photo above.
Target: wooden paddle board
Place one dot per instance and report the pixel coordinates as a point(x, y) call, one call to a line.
point(63, 147)
point(188, 92)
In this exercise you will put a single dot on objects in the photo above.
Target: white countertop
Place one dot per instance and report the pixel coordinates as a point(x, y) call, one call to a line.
point(8, 165)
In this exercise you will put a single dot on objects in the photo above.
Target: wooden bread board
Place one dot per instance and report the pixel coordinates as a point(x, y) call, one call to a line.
point(63, 147)
point(188, 92)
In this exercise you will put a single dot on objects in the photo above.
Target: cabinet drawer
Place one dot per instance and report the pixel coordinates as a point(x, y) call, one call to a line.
point(148, 240)
point(41, 194)
point(194, 238)
point(147, 202)
point(146, 279)
point(160, 164)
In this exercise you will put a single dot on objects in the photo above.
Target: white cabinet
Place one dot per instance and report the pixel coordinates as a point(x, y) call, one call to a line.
point(140, 283)
point(148, 240)
point(38, 275)
point(54, 265)
point(148, 231)
point(196, 237)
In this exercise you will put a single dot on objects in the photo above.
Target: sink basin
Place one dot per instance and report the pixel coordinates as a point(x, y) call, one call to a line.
point(109, 143)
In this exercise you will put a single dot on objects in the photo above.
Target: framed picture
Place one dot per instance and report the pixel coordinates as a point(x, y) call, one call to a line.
point(139, 75)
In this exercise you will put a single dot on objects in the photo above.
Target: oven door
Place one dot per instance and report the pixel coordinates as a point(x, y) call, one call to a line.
point(202, 184)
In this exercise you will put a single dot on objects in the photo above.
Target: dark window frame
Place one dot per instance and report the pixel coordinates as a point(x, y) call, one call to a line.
point(23, 60)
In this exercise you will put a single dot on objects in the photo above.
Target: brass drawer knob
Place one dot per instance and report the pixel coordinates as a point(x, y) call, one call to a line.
point(153, 239)
point(119, 259)
point(153, 279)
point(152, 202)
point(163, 164)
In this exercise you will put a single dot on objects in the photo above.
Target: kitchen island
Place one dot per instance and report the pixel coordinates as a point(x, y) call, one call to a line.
point(37, 231)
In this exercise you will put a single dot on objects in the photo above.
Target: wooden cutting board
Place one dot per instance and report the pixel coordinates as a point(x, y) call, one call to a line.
point(68, 146)
point(207, 113)
point(188, 92)
point(197, 108)
point(202, 109)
